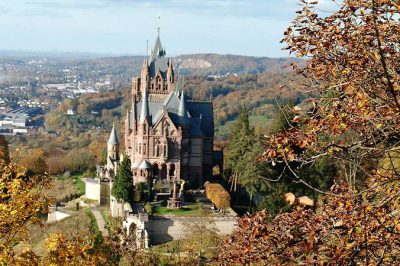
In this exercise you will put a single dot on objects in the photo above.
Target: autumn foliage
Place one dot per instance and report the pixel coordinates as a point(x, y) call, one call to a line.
point(348, 230)
point(353, 73)
point(218, 195)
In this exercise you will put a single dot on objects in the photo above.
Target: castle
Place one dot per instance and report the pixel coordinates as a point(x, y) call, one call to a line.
point(167, 137)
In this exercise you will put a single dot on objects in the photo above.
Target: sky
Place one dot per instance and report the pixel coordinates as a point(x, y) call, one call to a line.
point(243, 27)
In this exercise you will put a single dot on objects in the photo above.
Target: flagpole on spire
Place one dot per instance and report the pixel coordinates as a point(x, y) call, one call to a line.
point(158, 25)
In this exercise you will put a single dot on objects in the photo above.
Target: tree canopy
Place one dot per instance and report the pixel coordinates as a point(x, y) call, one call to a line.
point(352, 120)
point(122, 188)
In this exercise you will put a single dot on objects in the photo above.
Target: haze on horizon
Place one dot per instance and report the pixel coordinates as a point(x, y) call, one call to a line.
point(243, 27)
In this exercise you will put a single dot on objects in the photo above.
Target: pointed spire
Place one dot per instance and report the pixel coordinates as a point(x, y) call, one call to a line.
point(170, 72)
point(158, 50)
point(145, 67)
point(182, 105)
point(144, 113)
point(182, 111)
point(113, 140)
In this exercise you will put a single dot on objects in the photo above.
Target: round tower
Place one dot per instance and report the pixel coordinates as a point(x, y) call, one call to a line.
point(113, 147)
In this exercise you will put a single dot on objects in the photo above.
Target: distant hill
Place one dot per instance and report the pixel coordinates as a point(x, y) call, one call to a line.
point(204, 64)
point(123, 68)
point(215, 64)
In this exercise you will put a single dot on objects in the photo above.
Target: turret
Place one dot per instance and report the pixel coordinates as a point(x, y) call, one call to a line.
point(113, 146)
point(145, 75)
point(182, 111)
point(144, 112)
point(170, 73)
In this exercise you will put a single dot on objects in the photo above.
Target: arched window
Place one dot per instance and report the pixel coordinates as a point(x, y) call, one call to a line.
point(140, 148)
point(172, 170)
point(163, 173)
point(144, 149)
point(156, 171)
point(172, 149)
point(165, 151)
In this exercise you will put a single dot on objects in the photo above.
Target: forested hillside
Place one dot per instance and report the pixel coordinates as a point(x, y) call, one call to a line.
point(66, 138)
point(197, 64)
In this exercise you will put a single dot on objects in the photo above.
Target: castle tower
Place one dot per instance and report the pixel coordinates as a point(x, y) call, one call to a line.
point(112, 149)
point(167, 137)
point(144, 77)
point(170, 73)
point(157, 75)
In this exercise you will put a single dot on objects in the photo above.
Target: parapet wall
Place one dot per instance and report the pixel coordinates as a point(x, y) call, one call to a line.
point(162, 229)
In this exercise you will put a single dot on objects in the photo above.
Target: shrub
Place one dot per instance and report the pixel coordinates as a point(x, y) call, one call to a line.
point(218, 195)
point(148, 208)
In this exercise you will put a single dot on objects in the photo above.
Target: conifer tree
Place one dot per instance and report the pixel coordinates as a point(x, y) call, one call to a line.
point(123, 184)
point(243, 149)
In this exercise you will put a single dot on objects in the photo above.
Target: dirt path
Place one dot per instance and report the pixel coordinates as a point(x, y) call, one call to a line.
point(99, 220)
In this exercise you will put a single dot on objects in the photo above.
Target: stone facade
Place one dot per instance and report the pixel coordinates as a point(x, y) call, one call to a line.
point(166, 136)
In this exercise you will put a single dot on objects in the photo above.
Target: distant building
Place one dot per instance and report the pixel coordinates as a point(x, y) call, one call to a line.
point(19, 120)
point(70, 112)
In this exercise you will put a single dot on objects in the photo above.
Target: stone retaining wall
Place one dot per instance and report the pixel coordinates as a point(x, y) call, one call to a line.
point(162, 229)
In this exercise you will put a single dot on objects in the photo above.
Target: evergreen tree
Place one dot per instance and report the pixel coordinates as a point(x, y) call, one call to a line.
point(123, 183)
point(243, 149)
point(282, 118)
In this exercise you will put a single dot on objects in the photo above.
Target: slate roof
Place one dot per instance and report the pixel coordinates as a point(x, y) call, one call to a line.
point(145, 165)
point(144, 113)
point(113, 140)
point(136, 164)
point(158, 61)
point(199, 115)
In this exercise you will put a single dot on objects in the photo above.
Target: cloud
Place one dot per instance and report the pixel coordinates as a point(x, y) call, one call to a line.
point(279, 10)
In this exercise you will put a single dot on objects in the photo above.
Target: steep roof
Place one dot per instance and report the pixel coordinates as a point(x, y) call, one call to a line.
point(199, 115)
point(158, 50)
point(144, 165)
point(182, 111)
point(113, 140)
point(144, 113)
point(158, 61)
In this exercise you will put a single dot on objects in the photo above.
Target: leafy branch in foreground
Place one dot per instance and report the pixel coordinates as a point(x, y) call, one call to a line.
point(353, 68)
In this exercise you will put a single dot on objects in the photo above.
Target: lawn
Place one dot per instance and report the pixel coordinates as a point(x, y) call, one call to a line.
point(79, 184)
point(189, 210)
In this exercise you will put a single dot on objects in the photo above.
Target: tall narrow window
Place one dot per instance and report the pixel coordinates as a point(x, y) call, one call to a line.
point(144, 149)
point(140, 148)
